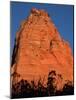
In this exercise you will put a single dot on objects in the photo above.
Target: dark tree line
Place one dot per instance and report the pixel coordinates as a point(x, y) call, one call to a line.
point(25, 89)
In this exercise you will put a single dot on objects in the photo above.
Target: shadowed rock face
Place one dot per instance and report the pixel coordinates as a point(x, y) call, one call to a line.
point(39, 49)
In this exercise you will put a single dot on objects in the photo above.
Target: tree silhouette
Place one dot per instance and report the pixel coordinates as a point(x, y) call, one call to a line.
point(24, 89)
point(50, 83)
point(68, 88)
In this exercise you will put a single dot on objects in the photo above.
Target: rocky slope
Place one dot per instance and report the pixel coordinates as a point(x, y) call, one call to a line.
point(39, 49)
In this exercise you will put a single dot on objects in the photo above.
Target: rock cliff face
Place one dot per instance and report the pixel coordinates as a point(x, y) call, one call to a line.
point(39, 49)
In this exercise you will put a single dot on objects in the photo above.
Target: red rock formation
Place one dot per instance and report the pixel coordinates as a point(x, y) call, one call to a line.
point(39, 49)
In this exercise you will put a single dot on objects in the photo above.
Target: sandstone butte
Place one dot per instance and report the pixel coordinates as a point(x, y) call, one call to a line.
point(40, 49)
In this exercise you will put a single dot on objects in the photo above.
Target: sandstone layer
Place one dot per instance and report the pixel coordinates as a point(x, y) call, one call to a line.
point(40, 49)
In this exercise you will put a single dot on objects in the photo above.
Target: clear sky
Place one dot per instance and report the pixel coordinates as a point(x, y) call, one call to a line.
point(62, 16)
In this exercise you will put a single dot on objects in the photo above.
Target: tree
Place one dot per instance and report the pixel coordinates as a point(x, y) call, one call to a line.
point(50, 83)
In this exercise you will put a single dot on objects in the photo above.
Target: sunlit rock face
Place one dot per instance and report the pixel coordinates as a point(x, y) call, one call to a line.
point(39, 49)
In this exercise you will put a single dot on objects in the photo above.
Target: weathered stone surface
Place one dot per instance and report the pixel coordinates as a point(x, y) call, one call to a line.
point(39, 49)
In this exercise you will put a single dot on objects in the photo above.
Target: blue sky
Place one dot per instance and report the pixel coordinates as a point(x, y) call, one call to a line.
point(62, 16)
